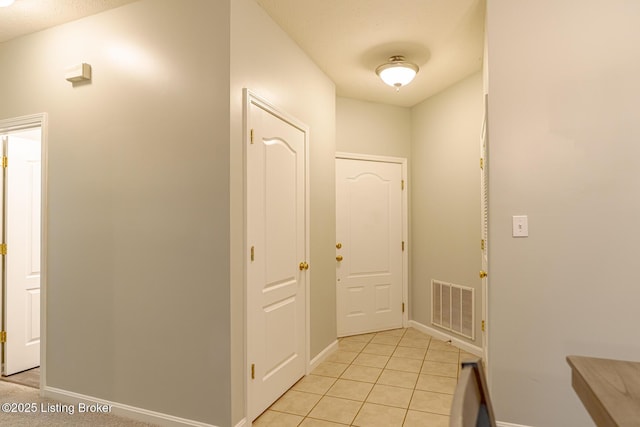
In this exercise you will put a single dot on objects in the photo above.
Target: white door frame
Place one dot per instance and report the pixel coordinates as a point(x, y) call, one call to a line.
point(10, 126)
point(405, 220)
point(249, 98)
point(484, 155)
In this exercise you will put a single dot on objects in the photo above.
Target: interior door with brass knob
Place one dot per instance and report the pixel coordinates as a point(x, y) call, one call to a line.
point(484, 242)
point(369, 257)
point(277, 266)
point(21, 212)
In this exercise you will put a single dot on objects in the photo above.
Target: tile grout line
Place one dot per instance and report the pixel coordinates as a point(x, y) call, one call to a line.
point(379, 375)
point(413, 389)
point(383, 368)
point(358, 353)
point(325, 393)
point(365, 398)
point(413, 392)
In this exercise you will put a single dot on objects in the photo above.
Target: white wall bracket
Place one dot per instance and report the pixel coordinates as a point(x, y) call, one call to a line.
point(78, 73)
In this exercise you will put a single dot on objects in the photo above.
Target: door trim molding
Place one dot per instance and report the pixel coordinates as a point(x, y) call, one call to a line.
point(405, 219)
point(10, 126)
point(484, 208)
point(250, 97)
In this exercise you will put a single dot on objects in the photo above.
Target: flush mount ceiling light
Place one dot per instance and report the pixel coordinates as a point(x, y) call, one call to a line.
point(397, 72)
point(5, 3)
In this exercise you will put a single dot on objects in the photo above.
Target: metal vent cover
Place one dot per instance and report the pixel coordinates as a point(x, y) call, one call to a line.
point(452, 308)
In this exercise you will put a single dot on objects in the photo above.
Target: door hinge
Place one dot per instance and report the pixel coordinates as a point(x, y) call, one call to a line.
point(481, 163)
point(3, 336)
point(402, 184)
point(483, 326)
point(253, 371)
point(251, 135)
point(403, 307)
point(253, 253)
point(403, 246)
point(482, 244)
point(3, 249)
point(5, 161)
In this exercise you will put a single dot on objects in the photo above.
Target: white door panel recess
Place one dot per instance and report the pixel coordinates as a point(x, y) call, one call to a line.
point(369, 245)
point(21, 202)
point(277, 263)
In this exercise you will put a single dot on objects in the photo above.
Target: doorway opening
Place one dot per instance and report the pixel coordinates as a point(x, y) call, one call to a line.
point(21, 220)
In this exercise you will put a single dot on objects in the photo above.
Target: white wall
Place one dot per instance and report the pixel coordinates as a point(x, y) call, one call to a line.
point(370, 128)
point(445, 194)
point(265, 60)
point(138, 271)
point(564, 97)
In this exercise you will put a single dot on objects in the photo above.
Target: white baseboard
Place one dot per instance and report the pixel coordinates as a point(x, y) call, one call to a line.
point(123, 410)
point(470, 348)
point(313, 363)
point(502, 424)
point(241, 423)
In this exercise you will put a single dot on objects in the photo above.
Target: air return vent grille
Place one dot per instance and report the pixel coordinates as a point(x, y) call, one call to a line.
point(453, 308)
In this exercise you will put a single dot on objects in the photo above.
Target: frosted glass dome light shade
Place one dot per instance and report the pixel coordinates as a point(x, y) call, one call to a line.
point(397, 72)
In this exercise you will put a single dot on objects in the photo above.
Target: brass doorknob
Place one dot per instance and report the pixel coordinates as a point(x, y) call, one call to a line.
point(339, 258)
point(338, 245)
point(303, 266)
point(483, 274)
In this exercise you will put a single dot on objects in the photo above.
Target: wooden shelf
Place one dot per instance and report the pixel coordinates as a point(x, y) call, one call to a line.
point(609, 389)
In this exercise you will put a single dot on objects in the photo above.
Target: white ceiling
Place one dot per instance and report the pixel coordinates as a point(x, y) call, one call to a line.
point(348, 39)
point(28, 16)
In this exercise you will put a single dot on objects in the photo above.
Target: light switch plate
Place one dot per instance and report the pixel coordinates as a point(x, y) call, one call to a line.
point(520, 226)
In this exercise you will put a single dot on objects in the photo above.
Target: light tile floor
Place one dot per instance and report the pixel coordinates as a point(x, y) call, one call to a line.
point(400, 377)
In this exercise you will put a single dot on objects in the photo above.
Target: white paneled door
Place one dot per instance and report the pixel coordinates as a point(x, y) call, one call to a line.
point(22, 261)
point(369, 246)
point(484, 243)
point(277, 264)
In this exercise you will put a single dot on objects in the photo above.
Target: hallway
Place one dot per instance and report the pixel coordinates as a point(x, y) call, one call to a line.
point(29, 378)
point(400, 377)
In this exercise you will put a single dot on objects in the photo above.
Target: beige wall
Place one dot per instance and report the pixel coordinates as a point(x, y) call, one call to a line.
point(145, 170)
point(445, 194)
point(265, 60)
point(564, 97)
point(370, 128)
point(441, 139)
point(138, 185)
